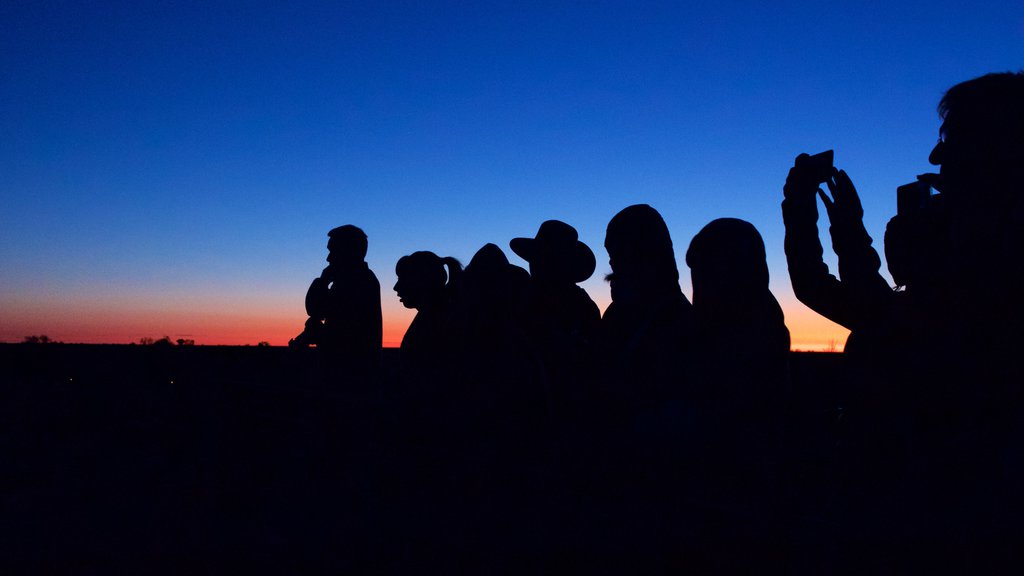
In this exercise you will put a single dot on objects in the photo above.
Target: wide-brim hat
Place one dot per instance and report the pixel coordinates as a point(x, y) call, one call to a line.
point(558, 244)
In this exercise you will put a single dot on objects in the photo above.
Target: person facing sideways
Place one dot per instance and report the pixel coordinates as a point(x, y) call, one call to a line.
point(344, 305)
point(971, 366)
point(980, 154)
point(558, 316)
point(424, 285)
point(647, 330)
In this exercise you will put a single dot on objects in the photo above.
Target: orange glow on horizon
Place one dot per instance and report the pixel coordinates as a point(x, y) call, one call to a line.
point(811, 332)
point(105, 324)
point(209, 323)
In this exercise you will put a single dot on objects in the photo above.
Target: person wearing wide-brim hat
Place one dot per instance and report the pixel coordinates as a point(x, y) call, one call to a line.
point(559, 318)
point(556, 253)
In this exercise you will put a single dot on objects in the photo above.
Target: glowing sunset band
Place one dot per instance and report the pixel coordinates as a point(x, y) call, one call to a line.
point(218, 324)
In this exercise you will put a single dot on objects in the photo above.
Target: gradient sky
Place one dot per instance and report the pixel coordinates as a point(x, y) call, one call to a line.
point(172, 168)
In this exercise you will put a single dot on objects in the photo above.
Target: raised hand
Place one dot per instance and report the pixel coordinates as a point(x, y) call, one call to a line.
point(844, 206)
point(801, 181)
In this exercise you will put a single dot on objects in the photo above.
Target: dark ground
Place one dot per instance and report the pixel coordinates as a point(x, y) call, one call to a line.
point(134, 459)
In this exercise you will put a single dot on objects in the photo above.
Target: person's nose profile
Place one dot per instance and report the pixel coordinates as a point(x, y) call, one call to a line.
point(935, 158)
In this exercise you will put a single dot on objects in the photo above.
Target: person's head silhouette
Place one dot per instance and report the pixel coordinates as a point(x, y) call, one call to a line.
point(983, 121)
point(346, 245)
point(556, 255)
point(640, 254)
point(980, 153)
point(423, 281)
point(740, 323)
point(981, 146)
point(489, 270)
point(728, 266)
point(490, 296)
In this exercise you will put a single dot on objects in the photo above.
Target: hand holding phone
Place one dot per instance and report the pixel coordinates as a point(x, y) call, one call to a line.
point(816, 168)
point(808, 173)
point(844, 206)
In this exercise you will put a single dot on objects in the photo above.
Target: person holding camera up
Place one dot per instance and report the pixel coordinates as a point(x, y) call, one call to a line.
point(953, 336)
point(879, 406)
point(858, 301)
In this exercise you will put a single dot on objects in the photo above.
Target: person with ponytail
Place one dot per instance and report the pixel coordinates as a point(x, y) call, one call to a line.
point(425, 285)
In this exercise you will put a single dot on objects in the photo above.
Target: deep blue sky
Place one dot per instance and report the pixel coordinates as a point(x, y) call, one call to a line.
point(165, 163)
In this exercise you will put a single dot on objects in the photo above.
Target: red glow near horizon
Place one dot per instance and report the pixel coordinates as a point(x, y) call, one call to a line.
point(808, 330)
point(210, 323)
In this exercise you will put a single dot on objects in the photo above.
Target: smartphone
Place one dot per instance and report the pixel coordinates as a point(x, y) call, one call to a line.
point(912, 197)
point(819, 166)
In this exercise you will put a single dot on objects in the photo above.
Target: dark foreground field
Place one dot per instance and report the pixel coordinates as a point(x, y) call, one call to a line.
point(135, 459)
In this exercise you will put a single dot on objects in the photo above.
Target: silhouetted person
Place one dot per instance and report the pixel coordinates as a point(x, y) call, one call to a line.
point(880, 408)
point(737, 316)
point(958, 368)
point(980, 153)
point(502, 401)
point(647, 330)
point(344, 307)
point(972, 448)
point(636, 443)
point(882, 321)
point(425, 285)
point(559, 317)
point(493, 291)
point(500, 371)
point(741, 350)
point(852, 302)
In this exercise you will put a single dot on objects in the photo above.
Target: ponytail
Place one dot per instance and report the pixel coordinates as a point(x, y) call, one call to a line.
point(431, 268)
point(454, 276)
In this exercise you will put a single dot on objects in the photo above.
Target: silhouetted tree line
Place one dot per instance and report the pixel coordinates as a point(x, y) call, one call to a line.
point(165, 341)
point(38, 339)
point(670, 427)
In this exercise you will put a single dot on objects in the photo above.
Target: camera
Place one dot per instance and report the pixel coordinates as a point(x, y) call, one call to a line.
point(913, 197)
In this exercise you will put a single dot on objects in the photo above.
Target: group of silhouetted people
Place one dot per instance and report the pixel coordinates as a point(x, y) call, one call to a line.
point(674, 421)
point(538, 329)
